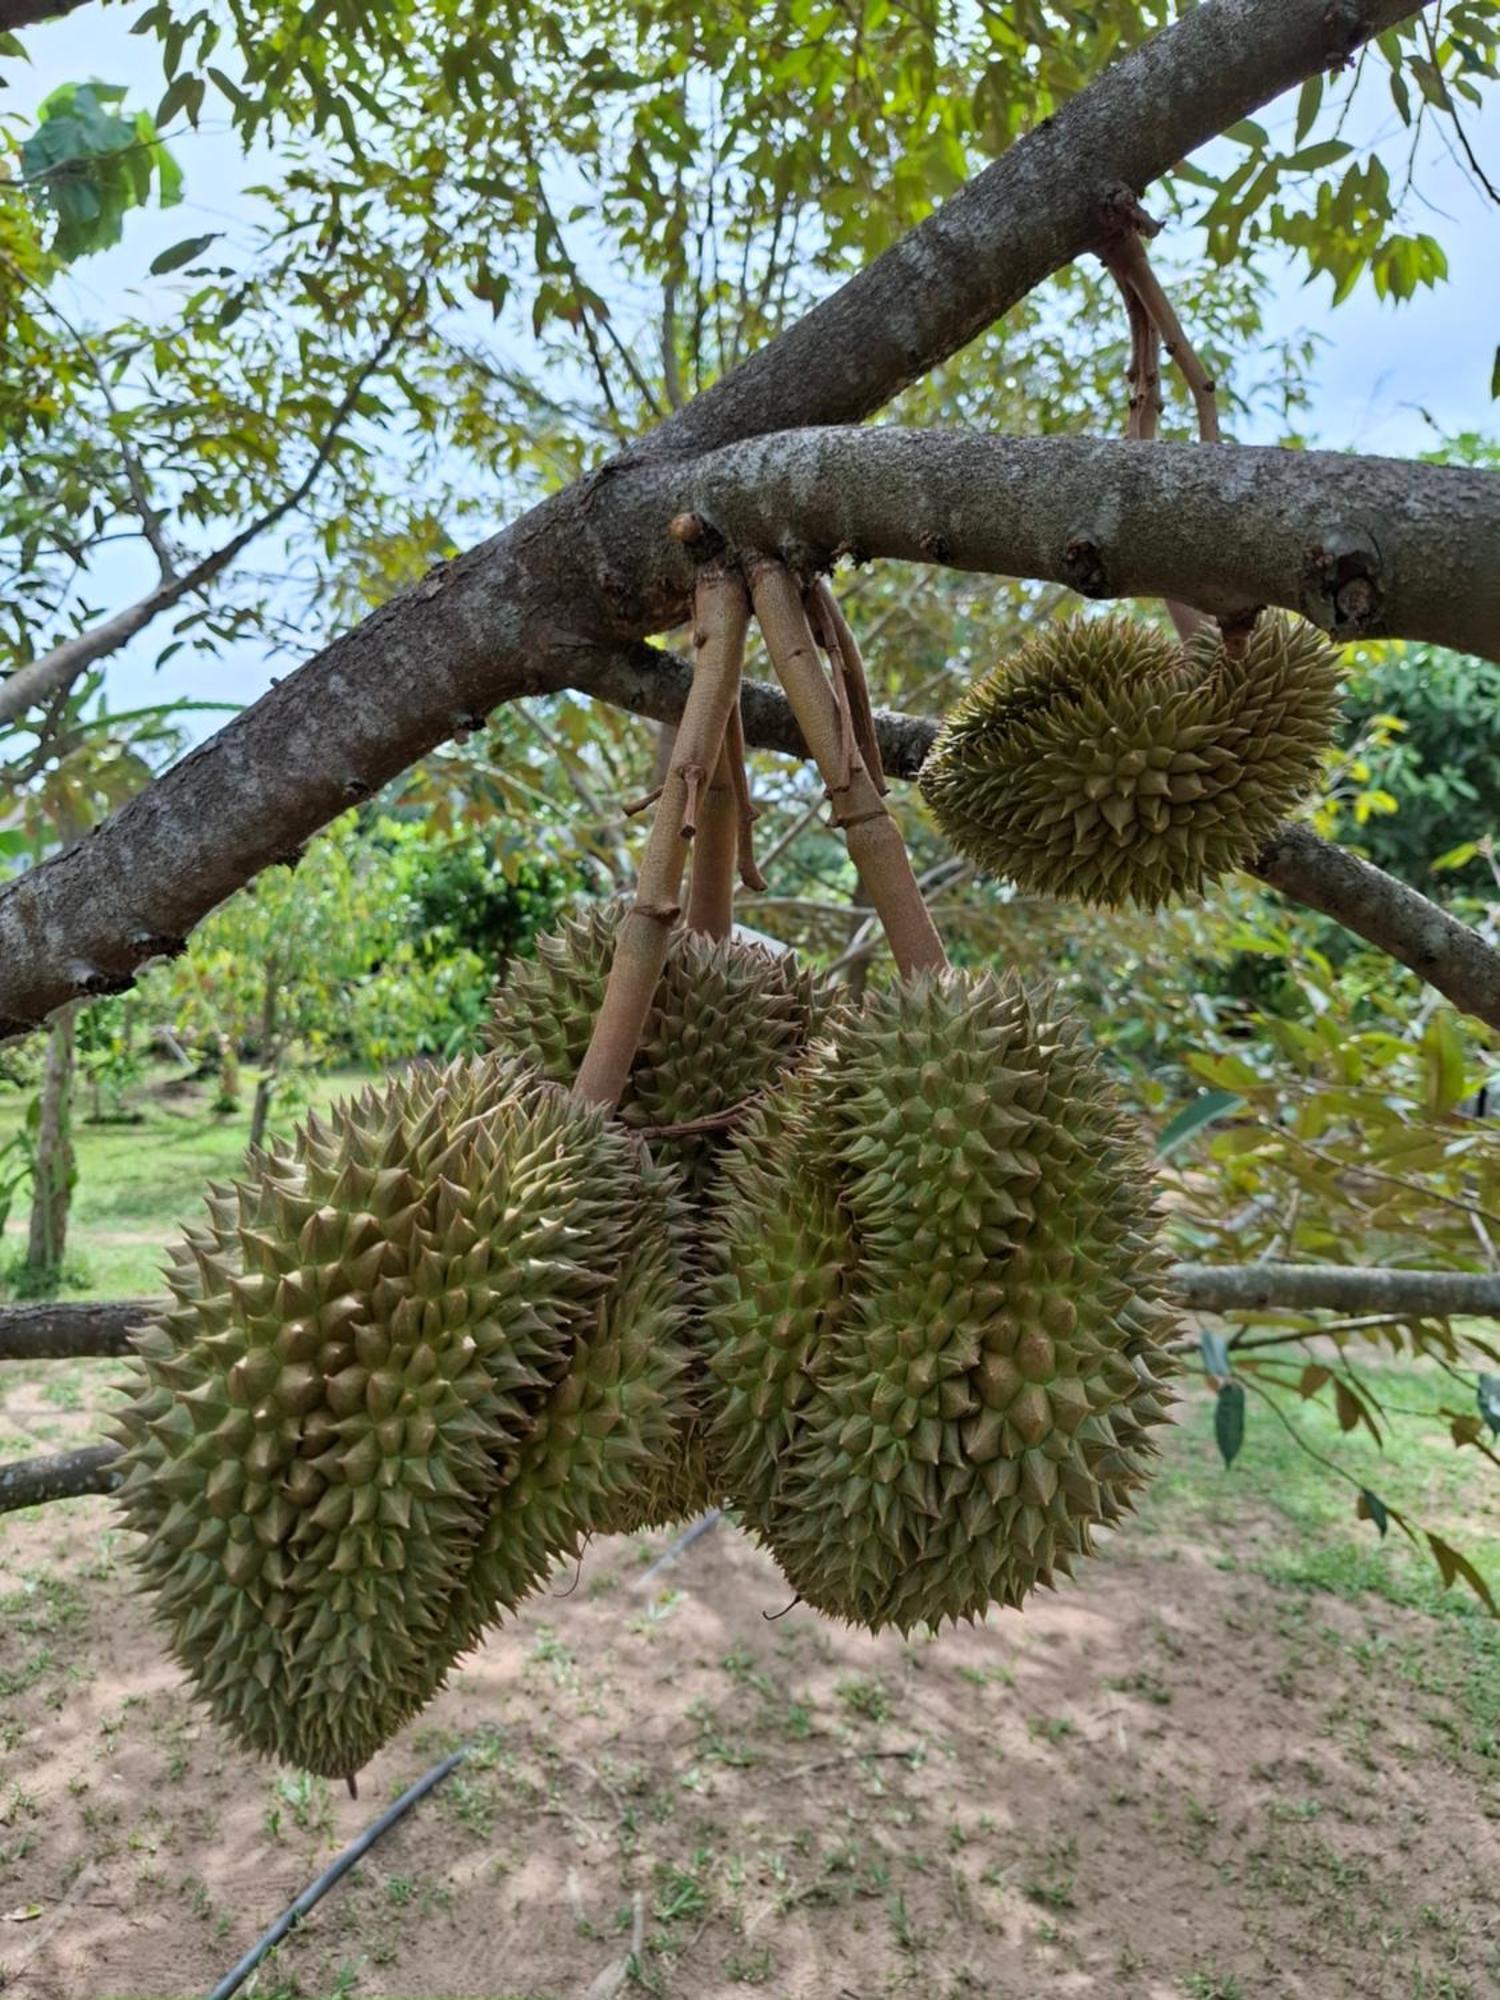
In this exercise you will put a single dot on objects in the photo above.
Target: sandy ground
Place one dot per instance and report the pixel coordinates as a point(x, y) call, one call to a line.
point(1174, 1780)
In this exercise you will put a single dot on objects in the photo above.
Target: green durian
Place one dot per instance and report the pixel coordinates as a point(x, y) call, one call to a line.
point(729, 1021)
point(936, 1326)
point(369, 1342)
point(1106, 764)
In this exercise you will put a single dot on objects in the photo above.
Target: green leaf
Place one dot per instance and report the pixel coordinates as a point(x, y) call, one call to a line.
point(1309, 98)
point(183, 253)
point(1453, 1566)
point(1370, 1507)
point(1495, 375)
point(1229, 1421)
point(1322, 155)
point(1211, 1104)
point(1215, 1354)
point(1487, 1396)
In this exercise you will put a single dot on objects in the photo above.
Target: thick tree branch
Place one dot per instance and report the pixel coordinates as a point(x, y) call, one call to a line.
point(1362, 546)
point(1343, 1288)
point(61, 1476)
point(56, 670)
point(1357, 543)
point(27, 13)
point(63, 1332)
point(591, 568)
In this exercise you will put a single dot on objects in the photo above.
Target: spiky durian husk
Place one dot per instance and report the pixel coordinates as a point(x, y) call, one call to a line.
point(607, 1443)
point(366, 1340)
point(938, 1314)
point(728, 1021)
point(1104, 764)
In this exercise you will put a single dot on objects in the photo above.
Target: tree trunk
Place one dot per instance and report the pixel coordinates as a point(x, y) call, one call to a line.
point(55, 1163)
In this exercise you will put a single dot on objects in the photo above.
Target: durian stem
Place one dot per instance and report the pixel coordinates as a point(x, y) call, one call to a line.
point(1144, 377)
point(1132, 266)
point(744, 803)
point(875, 844)
point(710, 906)
point(841, 646)
point(721, 618)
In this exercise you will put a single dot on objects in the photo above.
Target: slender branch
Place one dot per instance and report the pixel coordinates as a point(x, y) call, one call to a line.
point(58, 1332)
point(722, 617)
point(874, 839)
point(62, 1476)
point(58, 669)
point(1345, 1288)
point(1386, 913)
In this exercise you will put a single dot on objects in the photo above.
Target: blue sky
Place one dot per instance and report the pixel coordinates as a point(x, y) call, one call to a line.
point(1382, 365)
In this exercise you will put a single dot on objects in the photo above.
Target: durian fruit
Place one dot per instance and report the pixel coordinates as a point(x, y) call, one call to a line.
point(1105, 764)
point(605, 1454)
point(937, 1322)
point(729, 1020)
point(374, 1335)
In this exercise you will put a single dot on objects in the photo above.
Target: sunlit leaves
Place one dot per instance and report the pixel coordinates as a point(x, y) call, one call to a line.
point(86, 164)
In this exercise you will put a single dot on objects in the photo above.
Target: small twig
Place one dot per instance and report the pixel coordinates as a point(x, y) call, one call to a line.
point(711, 1121)
point(744, 802)
point(842, 648)
point(641, 805)
point(850, 1757)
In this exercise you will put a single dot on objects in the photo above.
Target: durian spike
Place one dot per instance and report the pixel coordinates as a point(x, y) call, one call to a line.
point(721, 617)
point(874, 839)
point(710, 907)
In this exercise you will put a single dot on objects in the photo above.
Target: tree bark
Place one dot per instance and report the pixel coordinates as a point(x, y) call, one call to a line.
point(55, 1164)
point(64, 1475)
point(1343, 1288)
point(1371, 542)
point(66, 1332)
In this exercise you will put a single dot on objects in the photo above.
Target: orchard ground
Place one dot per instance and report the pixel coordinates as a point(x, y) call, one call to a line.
point(1254, 1752)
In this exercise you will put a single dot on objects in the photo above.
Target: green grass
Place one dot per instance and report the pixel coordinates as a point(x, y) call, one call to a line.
point(137, 1184)
point(1316, 1540)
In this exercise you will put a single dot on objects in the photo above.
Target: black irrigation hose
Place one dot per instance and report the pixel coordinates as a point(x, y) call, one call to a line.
point(314, 1893)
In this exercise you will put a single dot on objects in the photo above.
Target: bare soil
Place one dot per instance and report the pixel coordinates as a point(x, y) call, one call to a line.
point(1175, 1779)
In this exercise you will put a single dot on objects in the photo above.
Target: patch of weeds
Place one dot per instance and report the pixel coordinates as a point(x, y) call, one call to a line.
point(1212, 1986)
point(987, 1676)
point(901, 1924)
point(1050, 1728)
point(1150, 1687)
point(751, 1968)
point(679, 1892)
point(866, 1699)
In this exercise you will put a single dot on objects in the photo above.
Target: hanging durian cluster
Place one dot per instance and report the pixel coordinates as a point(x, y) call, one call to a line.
point(411, 1363)
point(935, 1334)
point(1105, 764)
